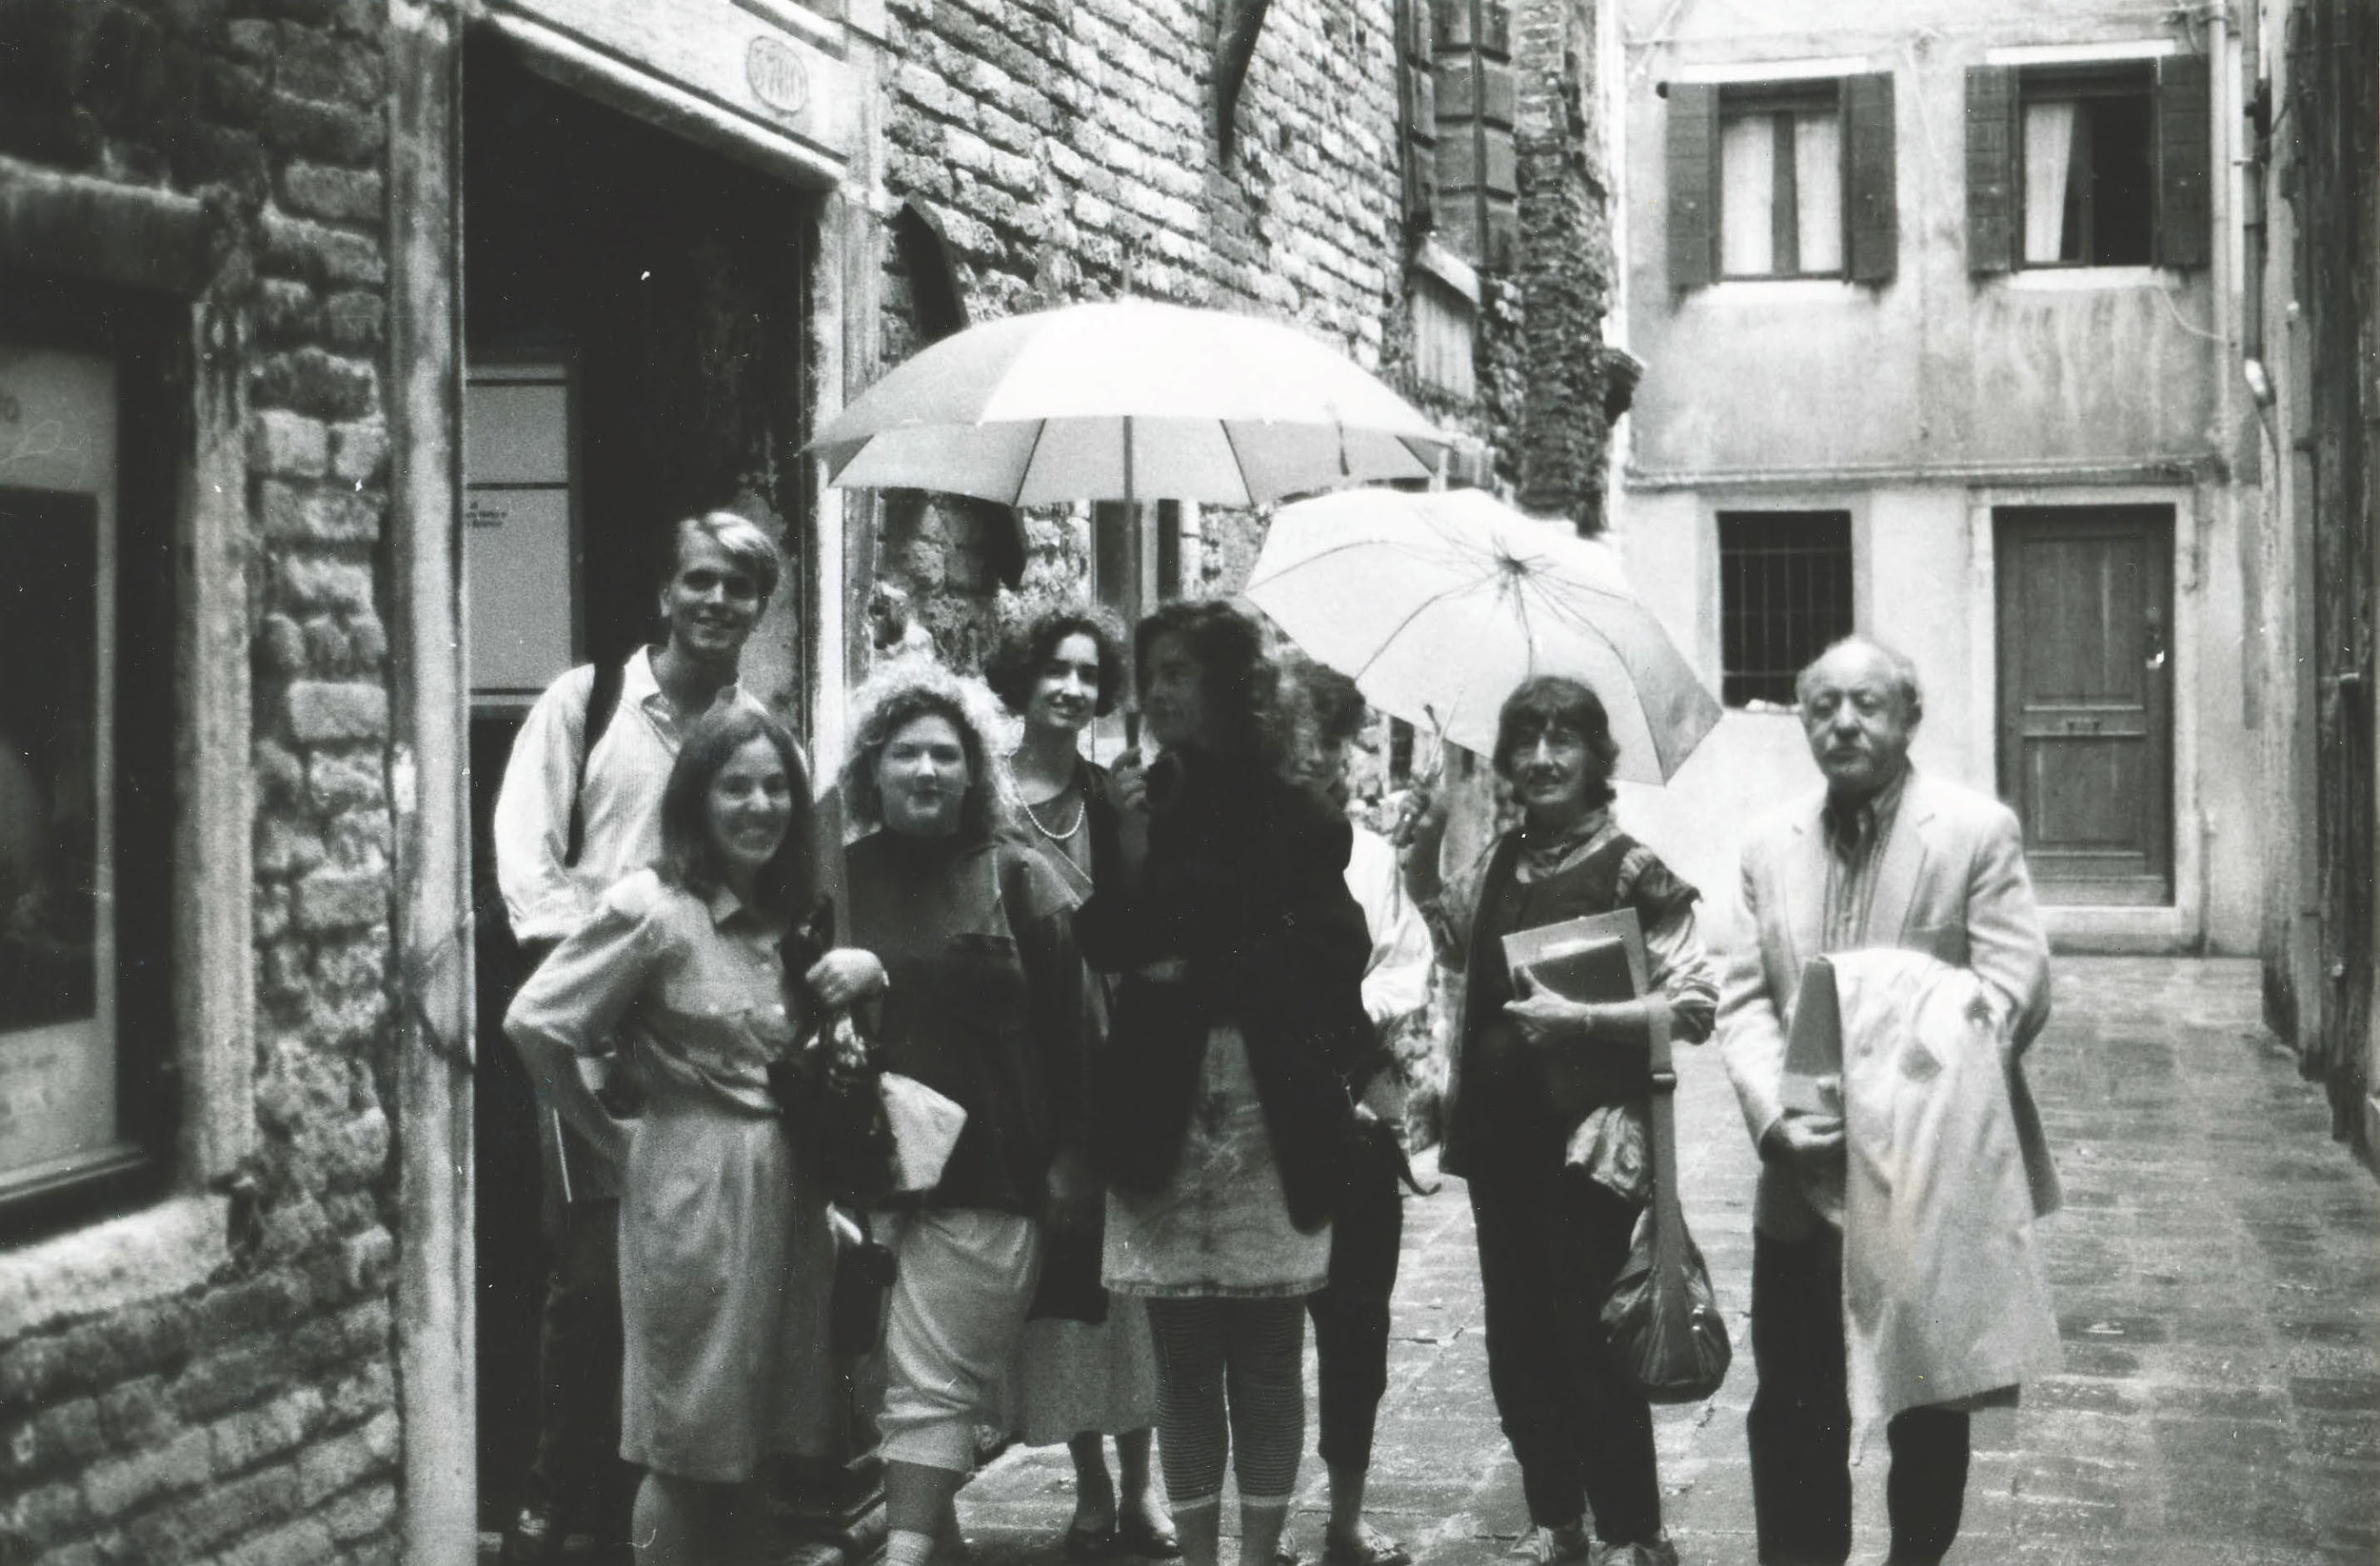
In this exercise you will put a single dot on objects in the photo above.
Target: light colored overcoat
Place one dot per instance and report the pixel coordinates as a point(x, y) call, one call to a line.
point(1953, 883)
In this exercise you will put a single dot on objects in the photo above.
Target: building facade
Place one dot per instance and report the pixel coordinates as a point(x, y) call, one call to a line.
point(2310, 332)
point(355, 357)
point(1939, 305)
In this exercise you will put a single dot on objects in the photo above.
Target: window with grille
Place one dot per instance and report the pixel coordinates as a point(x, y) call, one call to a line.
point(1785, 594)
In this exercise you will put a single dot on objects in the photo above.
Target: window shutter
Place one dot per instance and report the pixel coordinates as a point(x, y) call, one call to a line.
point(1693, 144)
point(1990, 168)
point(1871, 185)
point(2184, 214)
point(1417, 104)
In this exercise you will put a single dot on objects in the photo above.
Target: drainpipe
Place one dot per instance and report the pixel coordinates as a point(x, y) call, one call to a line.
point(2251, 223)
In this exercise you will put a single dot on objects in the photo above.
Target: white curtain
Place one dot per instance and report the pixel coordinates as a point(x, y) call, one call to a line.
point(1818, 181)
point(2048, 152)
point(1747, 195)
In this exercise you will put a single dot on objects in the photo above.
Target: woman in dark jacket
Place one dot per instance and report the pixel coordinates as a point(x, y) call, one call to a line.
point(1077, 1380)
point(1221, 1103)
point(1555, 1193)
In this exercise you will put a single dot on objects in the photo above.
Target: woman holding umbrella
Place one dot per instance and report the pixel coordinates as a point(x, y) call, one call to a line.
point(1220, 1104)
point(1076, 1380)
point(1556, 1197)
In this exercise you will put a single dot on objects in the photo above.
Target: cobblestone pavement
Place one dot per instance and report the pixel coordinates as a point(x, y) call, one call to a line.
point(2217, 1271)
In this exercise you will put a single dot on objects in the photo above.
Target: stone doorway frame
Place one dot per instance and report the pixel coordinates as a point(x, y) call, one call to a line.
point(435, 1318)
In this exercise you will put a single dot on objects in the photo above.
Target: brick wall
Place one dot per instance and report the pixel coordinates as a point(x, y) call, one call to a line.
point(1066, 149)
point(253, 1419)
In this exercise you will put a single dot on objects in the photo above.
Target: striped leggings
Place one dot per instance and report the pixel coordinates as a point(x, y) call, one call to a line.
point(1244, 1355)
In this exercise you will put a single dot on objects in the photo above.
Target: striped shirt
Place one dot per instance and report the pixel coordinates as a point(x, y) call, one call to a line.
point(1855, 834)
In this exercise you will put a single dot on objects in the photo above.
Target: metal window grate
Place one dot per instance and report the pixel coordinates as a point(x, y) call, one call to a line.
point(1784, 596)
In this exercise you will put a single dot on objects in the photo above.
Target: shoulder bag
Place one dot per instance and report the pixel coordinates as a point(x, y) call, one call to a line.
point(1662, 1316)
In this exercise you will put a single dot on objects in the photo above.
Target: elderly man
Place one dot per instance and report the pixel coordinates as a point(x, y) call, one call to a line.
point(1884, 856)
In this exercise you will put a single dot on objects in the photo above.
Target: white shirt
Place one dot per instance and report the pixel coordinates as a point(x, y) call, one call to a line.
point(620, 806)
point(1396, 979)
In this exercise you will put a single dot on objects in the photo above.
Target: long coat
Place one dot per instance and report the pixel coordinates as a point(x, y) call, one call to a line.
point(1951, 881)
point(1244, 888)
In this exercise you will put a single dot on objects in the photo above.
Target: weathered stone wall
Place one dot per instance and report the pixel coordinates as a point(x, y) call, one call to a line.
point(1566, 262)
point(1066, 149)
point(253, 1419)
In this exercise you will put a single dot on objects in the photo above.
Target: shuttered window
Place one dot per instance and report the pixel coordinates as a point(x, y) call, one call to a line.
point(1479, 172)
point(1785, 180)
point(1417, 113)
point(2096, 165)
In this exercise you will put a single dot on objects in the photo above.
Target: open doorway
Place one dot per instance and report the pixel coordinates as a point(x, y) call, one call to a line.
point(636, 318)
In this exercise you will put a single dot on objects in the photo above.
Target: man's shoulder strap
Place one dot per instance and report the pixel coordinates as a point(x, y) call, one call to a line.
point(603, 700)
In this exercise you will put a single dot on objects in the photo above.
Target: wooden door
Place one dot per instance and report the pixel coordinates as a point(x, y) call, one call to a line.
point(2086, 725)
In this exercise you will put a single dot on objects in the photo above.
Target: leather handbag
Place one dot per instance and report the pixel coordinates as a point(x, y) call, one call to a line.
point(1662, 1316)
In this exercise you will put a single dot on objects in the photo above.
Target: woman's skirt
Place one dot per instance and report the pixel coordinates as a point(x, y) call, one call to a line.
point(724, 1269)
point(1219, 1226)
point(1073, 1378)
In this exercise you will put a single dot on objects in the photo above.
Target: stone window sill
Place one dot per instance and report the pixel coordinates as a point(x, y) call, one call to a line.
point(158, 1250)
point(2089, 279)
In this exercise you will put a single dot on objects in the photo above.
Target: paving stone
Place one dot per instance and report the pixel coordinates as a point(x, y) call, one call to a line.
point(2217, 1286)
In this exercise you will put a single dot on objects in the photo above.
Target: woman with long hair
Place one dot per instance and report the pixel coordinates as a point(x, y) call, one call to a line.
point(985, 1005)
point(1222, 1104)
point(1076, 1380)
point(676, 976)
point(1554, 1194)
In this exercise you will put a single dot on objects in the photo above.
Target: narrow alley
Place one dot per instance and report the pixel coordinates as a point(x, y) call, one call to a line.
point(2218, 1286)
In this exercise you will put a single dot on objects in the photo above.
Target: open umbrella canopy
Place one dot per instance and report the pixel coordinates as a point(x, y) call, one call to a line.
point(1439, 604)
point(1128, 399)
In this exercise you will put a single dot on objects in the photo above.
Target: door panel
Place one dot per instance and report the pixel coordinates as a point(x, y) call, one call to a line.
point(2085, 696)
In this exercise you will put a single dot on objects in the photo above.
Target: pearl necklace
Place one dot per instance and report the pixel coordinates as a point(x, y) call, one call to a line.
point(1081, 810)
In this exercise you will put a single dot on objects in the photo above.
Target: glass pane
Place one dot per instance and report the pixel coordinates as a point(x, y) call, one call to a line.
point(1747, 195)
point(57, 945)
point(2049, 150)
point(1819, 182)
point(2123, 181)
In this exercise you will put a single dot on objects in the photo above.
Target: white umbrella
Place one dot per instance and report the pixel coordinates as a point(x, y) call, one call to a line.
point(1439, 604)
point(1129, 400)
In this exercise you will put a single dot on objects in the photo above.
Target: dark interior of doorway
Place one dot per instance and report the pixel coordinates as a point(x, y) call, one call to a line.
point(673, 282)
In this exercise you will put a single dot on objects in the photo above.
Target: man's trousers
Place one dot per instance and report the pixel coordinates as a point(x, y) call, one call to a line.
point(1800, 1423)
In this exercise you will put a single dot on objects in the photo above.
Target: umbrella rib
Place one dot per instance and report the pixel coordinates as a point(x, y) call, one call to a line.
point(1416, 613)
point(1282, 572)
point(1230, 442)
point(1571, 615)
point(1031, 453)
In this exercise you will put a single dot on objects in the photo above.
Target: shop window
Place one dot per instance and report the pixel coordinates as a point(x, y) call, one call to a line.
point(1785, 596)
point(2098, 166)
point(1783, 179)
point(87, 759)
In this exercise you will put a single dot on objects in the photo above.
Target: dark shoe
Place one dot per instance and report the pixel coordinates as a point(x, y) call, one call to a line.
point(1659, 1553)
point(533, 1539)
point(1134, 1537)
point(1371, 1548)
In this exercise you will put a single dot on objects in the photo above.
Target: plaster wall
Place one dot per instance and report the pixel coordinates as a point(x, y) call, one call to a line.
point(2030, 370)
point(1924, 582)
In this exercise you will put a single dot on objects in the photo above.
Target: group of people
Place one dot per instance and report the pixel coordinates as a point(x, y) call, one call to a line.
point(1160, 993)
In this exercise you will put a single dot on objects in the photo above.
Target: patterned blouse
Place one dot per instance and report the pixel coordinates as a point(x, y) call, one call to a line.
point(1612, 1143)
